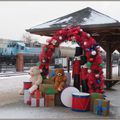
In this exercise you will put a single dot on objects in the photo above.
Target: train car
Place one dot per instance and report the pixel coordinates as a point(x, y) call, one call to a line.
point(30, 52)
point(8, 54)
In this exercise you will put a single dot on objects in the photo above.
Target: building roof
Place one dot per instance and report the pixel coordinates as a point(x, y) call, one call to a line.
point(102, 27)
point(85, 17)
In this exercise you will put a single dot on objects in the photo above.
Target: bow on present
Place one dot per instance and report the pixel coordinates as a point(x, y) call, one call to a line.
point(99, 108)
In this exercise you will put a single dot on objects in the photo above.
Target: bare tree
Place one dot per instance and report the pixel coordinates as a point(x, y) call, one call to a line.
point(28, 39)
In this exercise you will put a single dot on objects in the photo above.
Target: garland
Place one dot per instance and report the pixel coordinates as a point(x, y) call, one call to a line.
point(91, 50)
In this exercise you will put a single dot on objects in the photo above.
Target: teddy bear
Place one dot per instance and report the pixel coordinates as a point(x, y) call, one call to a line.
point(35, 78)
point(59, 79)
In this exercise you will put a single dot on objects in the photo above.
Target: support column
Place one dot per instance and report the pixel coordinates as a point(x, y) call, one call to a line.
point(20, 62)
point(108, 61)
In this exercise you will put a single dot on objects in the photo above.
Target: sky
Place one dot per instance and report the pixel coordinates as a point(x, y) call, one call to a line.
point(16, 16)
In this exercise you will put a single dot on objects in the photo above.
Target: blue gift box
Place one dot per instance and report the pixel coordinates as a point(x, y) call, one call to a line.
point(51, 73)
point(101, 107)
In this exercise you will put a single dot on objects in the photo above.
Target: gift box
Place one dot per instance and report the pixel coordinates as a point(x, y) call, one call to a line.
point(36, 94)
point(58, 101)
point(101, 107)
point(94, 96)
point(37, 102)
point(49, 100)
point(50, 90)
point(26, 96)
point(44, 87)
point(51, 73)
point(68, 82)
point(27, 85)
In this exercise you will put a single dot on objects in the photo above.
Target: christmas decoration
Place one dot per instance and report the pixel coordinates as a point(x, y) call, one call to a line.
point(49, 100)
point(94, 96)
point(101, 107)
point(38, 64)
point(36, 78)
point(76, 67)
point(83, 74)
point(59, 79)
point(91, 51)
point(50, 91)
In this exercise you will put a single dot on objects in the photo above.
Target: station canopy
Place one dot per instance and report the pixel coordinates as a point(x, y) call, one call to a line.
point(102, 27)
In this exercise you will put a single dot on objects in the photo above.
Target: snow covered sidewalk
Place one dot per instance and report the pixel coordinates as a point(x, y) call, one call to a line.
point(9, 88)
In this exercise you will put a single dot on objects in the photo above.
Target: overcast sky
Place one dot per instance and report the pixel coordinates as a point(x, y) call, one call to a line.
point(17, 16)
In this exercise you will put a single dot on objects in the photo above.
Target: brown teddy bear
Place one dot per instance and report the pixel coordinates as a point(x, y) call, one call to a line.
point(59, 79)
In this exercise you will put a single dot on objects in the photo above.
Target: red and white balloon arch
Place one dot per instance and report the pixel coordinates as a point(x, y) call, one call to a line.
point(91, 50)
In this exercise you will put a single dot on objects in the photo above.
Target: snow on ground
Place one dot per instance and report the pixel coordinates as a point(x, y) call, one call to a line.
point(9, 88)
point(12, 106)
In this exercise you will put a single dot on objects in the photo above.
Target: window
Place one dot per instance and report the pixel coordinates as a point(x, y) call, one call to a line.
point(22, 48)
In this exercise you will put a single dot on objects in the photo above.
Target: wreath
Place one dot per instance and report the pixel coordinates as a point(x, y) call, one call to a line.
point(91, 50)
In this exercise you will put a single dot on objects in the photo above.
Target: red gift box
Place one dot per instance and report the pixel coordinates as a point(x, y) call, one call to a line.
point(36, 95)
point(49, 100)
point(27, 85)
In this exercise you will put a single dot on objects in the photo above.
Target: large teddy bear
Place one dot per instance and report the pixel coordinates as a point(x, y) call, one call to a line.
point(35, 78)
point(59, 79)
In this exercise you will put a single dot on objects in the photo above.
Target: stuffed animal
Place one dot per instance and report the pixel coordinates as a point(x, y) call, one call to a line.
point(36, 78)
point(59, 79)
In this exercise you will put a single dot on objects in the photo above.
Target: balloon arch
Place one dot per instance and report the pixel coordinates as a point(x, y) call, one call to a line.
point(91, 50)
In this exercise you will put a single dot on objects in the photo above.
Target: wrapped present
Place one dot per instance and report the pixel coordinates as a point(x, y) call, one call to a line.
point(42, 102)
point(68, 82)
point(44, 87)
point(37, 102)
point(50, 90)
point(101, 107)
point(94, 96)
point(26, 96)
point(58, 101)
point(51, 73)
point(36, 94)
point(27, 85)
point(49, 100)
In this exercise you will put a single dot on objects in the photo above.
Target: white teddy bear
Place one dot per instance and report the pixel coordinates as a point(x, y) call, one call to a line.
point(35, 78)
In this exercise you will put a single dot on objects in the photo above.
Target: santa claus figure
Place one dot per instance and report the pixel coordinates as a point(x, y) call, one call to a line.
point(76, 67)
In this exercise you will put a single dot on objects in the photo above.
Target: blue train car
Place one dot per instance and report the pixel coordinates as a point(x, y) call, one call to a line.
point(15, 47)
point(31, 54)
point(8, 54)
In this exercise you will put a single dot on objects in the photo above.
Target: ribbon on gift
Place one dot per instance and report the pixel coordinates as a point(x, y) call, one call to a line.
point(99, 108)
point(38, 94)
